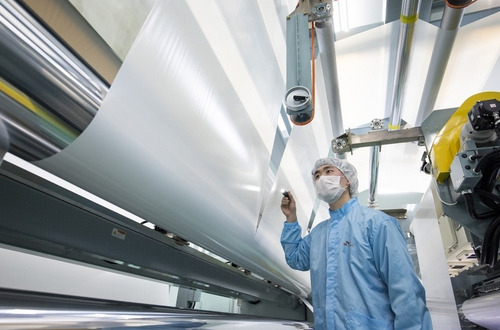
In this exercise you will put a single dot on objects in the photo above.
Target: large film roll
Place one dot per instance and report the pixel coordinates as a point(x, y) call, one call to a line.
point(484, 310)
point(178, 145)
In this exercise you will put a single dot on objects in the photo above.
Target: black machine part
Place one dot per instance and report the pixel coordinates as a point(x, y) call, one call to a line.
point(484, 129)
point(485, 115)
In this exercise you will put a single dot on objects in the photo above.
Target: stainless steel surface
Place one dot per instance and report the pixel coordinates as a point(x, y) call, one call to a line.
point(374, 161)
point(409, 15)
point(439, 61)
point(379, 138)
point(32, 310)
point(59, 84)
point(452, 16)
point(13, 319)
point(408, 18)
point(326, 37)
point(376, 124)
point(35, 134)
point(410, 8)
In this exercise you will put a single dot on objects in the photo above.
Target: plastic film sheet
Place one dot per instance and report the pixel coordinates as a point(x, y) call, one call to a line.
point(178, 142)
point(483, 310)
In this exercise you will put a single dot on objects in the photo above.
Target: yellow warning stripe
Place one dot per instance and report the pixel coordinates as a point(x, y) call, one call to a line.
point(393, 127)
point(25, 101)
point(408, 19)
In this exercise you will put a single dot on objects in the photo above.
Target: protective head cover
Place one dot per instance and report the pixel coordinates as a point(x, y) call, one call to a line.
point(346, 168)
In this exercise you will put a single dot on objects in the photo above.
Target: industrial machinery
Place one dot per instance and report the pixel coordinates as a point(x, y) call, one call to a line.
point(168, 170)
point(465, 163)
point(465, 160)
point(299, 97)
point(49, 96)
point(463, 156)
point(308, 27)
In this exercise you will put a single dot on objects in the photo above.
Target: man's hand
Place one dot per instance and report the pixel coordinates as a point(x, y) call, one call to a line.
point(289, 208)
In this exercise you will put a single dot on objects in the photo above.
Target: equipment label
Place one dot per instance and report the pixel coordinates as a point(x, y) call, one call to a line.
point(118, 233)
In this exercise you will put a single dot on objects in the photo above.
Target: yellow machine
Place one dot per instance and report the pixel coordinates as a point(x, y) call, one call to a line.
point(448, 142)
point(465, 158)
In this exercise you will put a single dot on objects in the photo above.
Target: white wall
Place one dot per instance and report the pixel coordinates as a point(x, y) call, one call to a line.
point(31, 271)
point(37, 272)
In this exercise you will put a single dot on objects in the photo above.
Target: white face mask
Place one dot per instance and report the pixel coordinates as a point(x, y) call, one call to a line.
point(328, 188)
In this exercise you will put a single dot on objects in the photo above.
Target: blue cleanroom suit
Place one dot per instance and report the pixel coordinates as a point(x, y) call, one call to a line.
point(362, 275)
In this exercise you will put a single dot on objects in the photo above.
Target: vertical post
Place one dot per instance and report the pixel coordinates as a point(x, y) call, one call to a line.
point(326, 36)
point(452, 18)
point(409, 15)
point(374, 161)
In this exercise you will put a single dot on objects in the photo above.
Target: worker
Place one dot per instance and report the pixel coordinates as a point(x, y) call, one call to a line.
point(362, 275)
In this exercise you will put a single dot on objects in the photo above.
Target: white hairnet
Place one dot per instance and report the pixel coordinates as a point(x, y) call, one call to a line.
point(345, 167)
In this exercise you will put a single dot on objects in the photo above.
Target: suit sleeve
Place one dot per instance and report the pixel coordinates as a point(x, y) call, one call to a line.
point(295, 247)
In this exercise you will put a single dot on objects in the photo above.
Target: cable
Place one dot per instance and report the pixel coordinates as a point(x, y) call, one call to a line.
point(489, 166)
point(485, 248)
point(471, 208)
point(486, 159)
point(488, 194)
point(489, 253)
point(439, 196)
point(474, 157)
point(495, 243)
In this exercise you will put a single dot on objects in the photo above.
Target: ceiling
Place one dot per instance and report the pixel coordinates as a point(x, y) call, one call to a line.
point(102, 32)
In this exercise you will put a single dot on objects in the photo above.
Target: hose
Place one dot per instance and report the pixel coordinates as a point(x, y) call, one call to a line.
point(486, 158)
point(489, 166)
point(491, 238)
point(474, 157)
point(488, 194)
point(495, 244)
point(471, 208)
